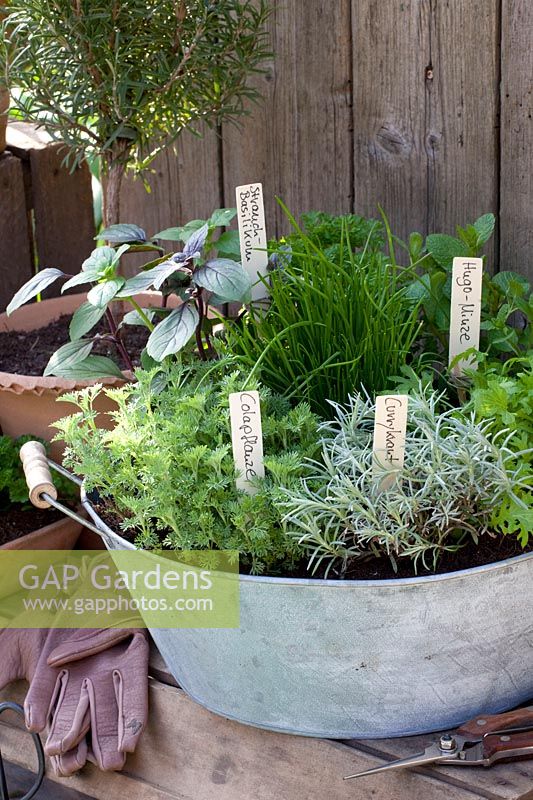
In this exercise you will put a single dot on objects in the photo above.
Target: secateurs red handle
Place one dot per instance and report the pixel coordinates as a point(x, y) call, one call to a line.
point(481, 741)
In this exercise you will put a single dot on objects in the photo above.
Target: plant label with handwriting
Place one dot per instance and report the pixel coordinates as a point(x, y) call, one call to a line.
point(246, 439)
point(390, 425)
point(252, 235)
point(465, 311)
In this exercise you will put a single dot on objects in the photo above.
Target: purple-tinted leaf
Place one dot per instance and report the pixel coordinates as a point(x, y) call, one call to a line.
point(68, 355)
point(123, 232)
point(32, 287)
point(225, 278)
point(173, 333)
point(151, 277)
point(193, 247)
point(102, 293)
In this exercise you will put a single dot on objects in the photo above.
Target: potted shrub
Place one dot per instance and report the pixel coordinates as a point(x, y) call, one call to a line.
point(118, 83)
point(348, 628)
point(23, 526)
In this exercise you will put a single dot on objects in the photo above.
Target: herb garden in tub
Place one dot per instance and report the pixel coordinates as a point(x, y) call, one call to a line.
point(365, 611)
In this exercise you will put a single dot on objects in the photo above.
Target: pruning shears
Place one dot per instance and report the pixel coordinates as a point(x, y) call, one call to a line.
point(482, 741)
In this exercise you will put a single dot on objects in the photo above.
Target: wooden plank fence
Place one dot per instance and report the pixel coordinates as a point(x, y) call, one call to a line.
point(46, 213)
point(422, 106)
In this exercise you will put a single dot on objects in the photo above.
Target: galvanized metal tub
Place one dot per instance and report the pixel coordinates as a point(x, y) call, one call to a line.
point(362, 659)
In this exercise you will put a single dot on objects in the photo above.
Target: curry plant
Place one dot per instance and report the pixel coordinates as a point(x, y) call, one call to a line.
point(459, 481)
point(122, 80)
point(191, 274)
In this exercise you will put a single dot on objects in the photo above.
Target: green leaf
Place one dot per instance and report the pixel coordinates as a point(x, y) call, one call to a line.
point(143, 248)
point(223, 277)
point(32, 287)
point(89, 276)
point(228, 245)
point(485, 228)
point(101, 294)
point(84, 318)
point(68, 355)
point(90, 369)
point(99, 260)
point(416, 243)
point(222, 217)
point(170, 235)
point(445, 248)
point(152, 277)
point(509, 282)
point(147, 362)
point(121, 233)
point(173, 333)
point(134, 318)
point(180, 234)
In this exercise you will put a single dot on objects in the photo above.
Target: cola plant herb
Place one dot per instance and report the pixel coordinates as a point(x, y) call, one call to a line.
point(122, 80)
point(194, 274)
point(457, 475)
point(167, 465)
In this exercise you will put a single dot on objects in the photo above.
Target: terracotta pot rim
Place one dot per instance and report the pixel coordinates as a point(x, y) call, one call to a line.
point(37, 384)
point(45, 530)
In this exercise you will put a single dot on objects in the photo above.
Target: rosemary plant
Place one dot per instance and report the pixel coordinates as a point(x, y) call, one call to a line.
point(122, 79)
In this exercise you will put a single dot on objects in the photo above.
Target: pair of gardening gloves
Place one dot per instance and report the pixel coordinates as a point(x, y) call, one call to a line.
point(89, 688)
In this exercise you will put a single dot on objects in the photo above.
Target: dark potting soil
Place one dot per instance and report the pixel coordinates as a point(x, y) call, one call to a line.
point(490, 549)
point(17, 521)
point(28, 352)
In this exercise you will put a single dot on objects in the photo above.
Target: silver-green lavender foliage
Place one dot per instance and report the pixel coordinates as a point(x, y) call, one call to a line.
point(456, 474)
point(168, 469)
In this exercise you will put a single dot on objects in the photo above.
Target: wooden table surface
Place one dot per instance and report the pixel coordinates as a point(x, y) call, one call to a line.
point(188, 753)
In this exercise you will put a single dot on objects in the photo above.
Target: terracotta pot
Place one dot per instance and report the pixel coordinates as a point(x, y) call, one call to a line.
point(60, 535)
point(28, 403)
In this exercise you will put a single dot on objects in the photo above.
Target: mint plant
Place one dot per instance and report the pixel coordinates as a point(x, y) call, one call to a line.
point(191, 274)
point(506, 295)
point(167, 466)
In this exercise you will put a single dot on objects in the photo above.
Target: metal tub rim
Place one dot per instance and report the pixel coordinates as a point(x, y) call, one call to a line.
point(330, 582)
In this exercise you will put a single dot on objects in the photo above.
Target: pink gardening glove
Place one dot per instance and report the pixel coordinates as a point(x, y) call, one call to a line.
point(101, 690)
point(80, 679)
point(20, 652)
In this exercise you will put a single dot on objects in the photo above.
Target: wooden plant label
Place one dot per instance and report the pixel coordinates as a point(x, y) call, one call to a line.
point(465, 310)
point(390, 425)
point(252, 234)
point(246, 438)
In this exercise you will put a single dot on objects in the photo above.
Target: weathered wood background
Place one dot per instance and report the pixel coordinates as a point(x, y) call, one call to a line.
point(422, 106)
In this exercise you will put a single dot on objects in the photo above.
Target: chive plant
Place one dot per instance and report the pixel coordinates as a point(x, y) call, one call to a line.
point(332, 325)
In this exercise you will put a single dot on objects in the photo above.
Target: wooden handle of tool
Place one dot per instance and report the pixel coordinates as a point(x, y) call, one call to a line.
point(496, 722)
point(37, 472)
point(483, 724)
